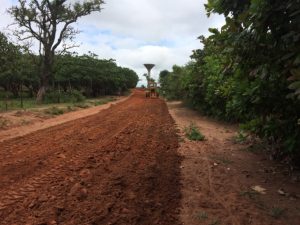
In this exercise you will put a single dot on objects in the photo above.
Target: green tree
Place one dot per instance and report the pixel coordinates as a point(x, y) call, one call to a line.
point(49, 22)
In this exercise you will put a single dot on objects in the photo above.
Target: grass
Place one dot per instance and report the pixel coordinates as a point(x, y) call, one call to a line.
point(202, 215)
point(25, 122)
point(214, 222)
point(253, 195)
point(3, 122)
point(101, 101)
point(81, 105)
point(54, 111)
point(71, 108)
point(249, 193)
point(241, 137)
point(276, 212)
point(193, 133)
point(30, 103)
point(14, 104)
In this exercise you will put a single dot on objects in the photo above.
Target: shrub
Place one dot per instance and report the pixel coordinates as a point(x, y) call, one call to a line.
point(192, 133)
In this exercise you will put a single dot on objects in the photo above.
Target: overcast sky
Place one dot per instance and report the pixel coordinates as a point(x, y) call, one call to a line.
point(134, 32)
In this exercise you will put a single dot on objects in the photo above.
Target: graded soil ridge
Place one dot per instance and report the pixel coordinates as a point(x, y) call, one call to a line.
point(119, 166)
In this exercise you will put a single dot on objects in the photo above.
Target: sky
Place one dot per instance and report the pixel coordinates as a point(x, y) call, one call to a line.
point(135, 32)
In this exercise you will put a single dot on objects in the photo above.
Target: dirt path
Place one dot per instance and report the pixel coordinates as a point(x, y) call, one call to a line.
point(50, 122)
point(218, 176)
point(119, 166)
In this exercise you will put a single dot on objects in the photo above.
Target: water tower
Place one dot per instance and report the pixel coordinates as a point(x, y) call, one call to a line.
point(149, 68)
point(151, 84)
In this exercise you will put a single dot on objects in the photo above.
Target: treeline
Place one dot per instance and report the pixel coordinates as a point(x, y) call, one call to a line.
point(248, 72)
point(78, 74)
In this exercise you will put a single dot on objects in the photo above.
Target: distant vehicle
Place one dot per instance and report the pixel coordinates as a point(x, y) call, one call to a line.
point(151, 91)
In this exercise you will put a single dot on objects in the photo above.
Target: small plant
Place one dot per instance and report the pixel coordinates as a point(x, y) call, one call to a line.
point(215, 222)
point(81, 105)
point(54, 111)
point(25, 122)
point(276, 212)
point(241, 137)
point(249, 193)
point(3, 122)
point(202, 215)
point(192, 133)
point(255, 148)
point(70, 108)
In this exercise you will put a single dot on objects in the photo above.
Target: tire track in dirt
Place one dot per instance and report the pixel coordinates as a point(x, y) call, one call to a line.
point(18, 193)
point(115, 167)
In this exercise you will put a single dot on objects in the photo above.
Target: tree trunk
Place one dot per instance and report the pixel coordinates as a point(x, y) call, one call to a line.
point(45, 75)
point(44, 81)
point(40, 95)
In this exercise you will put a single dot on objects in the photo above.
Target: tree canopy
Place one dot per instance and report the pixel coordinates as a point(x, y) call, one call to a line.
point(49, 22)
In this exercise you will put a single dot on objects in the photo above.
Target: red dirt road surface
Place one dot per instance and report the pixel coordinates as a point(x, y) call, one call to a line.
point(119, 166)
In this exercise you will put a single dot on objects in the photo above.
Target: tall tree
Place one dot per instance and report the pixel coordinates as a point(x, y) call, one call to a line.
point(49, 22)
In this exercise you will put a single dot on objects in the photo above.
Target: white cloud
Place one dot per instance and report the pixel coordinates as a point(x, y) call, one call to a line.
point(137, 32)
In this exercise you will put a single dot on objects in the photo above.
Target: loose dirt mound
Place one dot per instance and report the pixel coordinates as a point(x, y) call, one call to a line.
point(119, 166)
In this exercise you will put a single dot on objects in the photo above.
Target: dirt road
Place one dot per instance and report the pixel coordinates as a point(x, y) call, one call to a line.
point(124, 166)
point(119, 166)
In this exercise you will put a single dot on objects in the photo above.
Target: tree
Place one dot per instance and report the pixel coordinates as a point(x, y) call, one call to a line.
point(10, 55)
point(49, 22)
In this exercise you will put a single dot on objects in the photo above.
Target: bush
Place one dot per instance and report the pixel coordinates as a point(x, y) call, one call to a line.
point(192, 133)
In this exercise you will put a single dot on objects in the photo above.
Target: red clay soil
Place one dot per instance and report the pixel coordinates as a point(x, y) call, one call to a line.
point(119, 166)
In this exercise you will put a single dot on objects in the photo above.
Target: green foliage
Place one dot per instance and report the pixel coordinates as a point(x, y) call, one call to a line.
point(277, 212)
point(248, 72)
point(72, 75)
point(241, 137)
point(193, 133)
point(50, 24)
point(202, 215)
point(82, 105)
point(63, 97)
point(54, 111)
point(104, 101)
point(93, 76)
point(16, 104)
